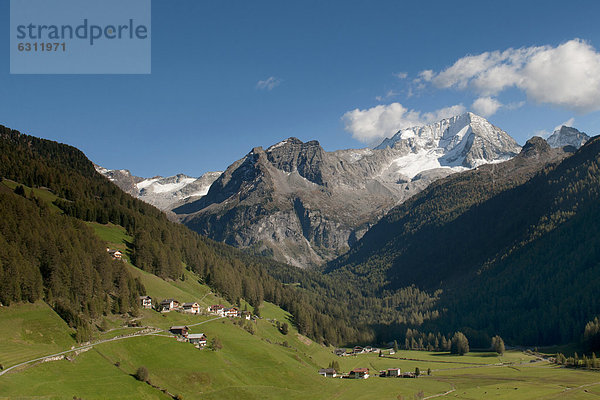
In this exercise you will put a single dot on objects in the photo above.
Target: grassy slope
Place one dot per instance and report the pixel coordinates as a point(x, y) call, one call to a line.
point(31, 330)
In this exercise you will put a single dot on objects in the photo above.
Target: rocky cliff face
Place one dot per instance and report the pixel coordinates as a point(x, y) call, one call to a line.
point(303, 205)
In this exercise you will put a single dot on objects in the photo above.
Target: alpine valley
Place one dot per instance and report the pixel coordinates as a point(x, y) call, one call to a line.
point(418, 247)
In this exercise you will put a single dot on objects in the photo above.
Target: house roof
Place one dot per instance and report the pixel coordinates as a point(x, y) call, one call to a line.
point(178, 327)
point(366, 370)
point(168, 301)
point(190, 304)
point(327, 371)
point(145, 297)
point(196, 336)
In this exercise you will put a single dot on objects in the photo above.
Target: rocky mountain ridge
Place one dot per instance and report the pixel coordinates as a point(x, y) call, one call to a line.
point(300, 204)
point(164, 193)
point(567, 136)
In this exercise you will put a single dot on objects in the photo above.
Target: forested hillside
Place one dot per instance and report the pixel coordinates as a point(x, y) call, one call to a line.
point(495, 240)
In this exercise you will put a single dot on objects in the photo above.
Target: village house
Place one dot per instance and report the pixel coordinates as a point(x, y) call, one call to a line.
point(216, 309)
point(339, 352)
point(231, 312)
point(359, 373)
point(358, 350)
point(393, 372)
point(247, 315)
point(115, 254)
point(193, 308)
point(328, 372)
point(146, 302)
point(197, 338)
point(179, 330)
point(168, 305)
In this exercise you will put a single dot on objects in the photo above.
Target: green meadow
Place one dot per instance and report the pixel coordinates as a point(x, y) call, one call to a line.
point(263, 365)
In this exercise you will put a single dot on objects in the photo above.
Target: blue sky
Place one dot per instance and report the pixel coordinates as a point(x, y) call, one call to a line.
point(231, 75)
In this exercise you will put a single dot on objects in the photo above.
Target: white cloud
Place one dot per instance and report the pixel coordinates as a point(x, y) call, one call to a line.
point(546, 134)
point(568, 123)
point(376, 123)
point(566, 76)
point(388, 95)
point(426, 75)
point(542, 133)
point(268, 84)
point(401, 75)
point(486, 106)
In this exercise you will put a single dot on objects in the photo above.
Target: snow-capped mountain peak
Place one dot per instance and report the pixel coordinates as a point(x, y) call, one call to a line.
point(567, 136)
point(161, 192)
point(460, 142)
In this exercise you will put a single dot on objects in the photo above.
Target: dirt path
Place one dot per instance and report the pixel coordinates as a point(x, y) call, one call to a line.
point(440, 394)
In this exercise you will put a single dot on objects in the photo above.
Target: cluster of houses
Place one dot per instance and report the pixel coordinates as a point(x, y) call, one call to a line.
point(354, 351)
point(197, 339)
point(363, 373)
point(231, 312)
point(168, 305)
point(396, 373)
point(356, 373)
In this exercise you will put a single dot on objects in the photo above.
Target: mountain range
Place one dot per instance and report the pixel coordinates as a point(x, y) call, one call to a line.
point(461, 254)
point(305, 206)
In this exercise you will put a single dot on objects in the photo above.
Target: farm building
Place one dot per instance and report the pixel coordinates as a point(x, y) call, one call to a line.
point(197, 338)
point(340, 352)
point(169, 304)
point(179, 330)
point(115, 254)
point(193, 308)
point(146, 302)
point(231, 312)
point(359, 373)
point(328, 372)
point(217, 309)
